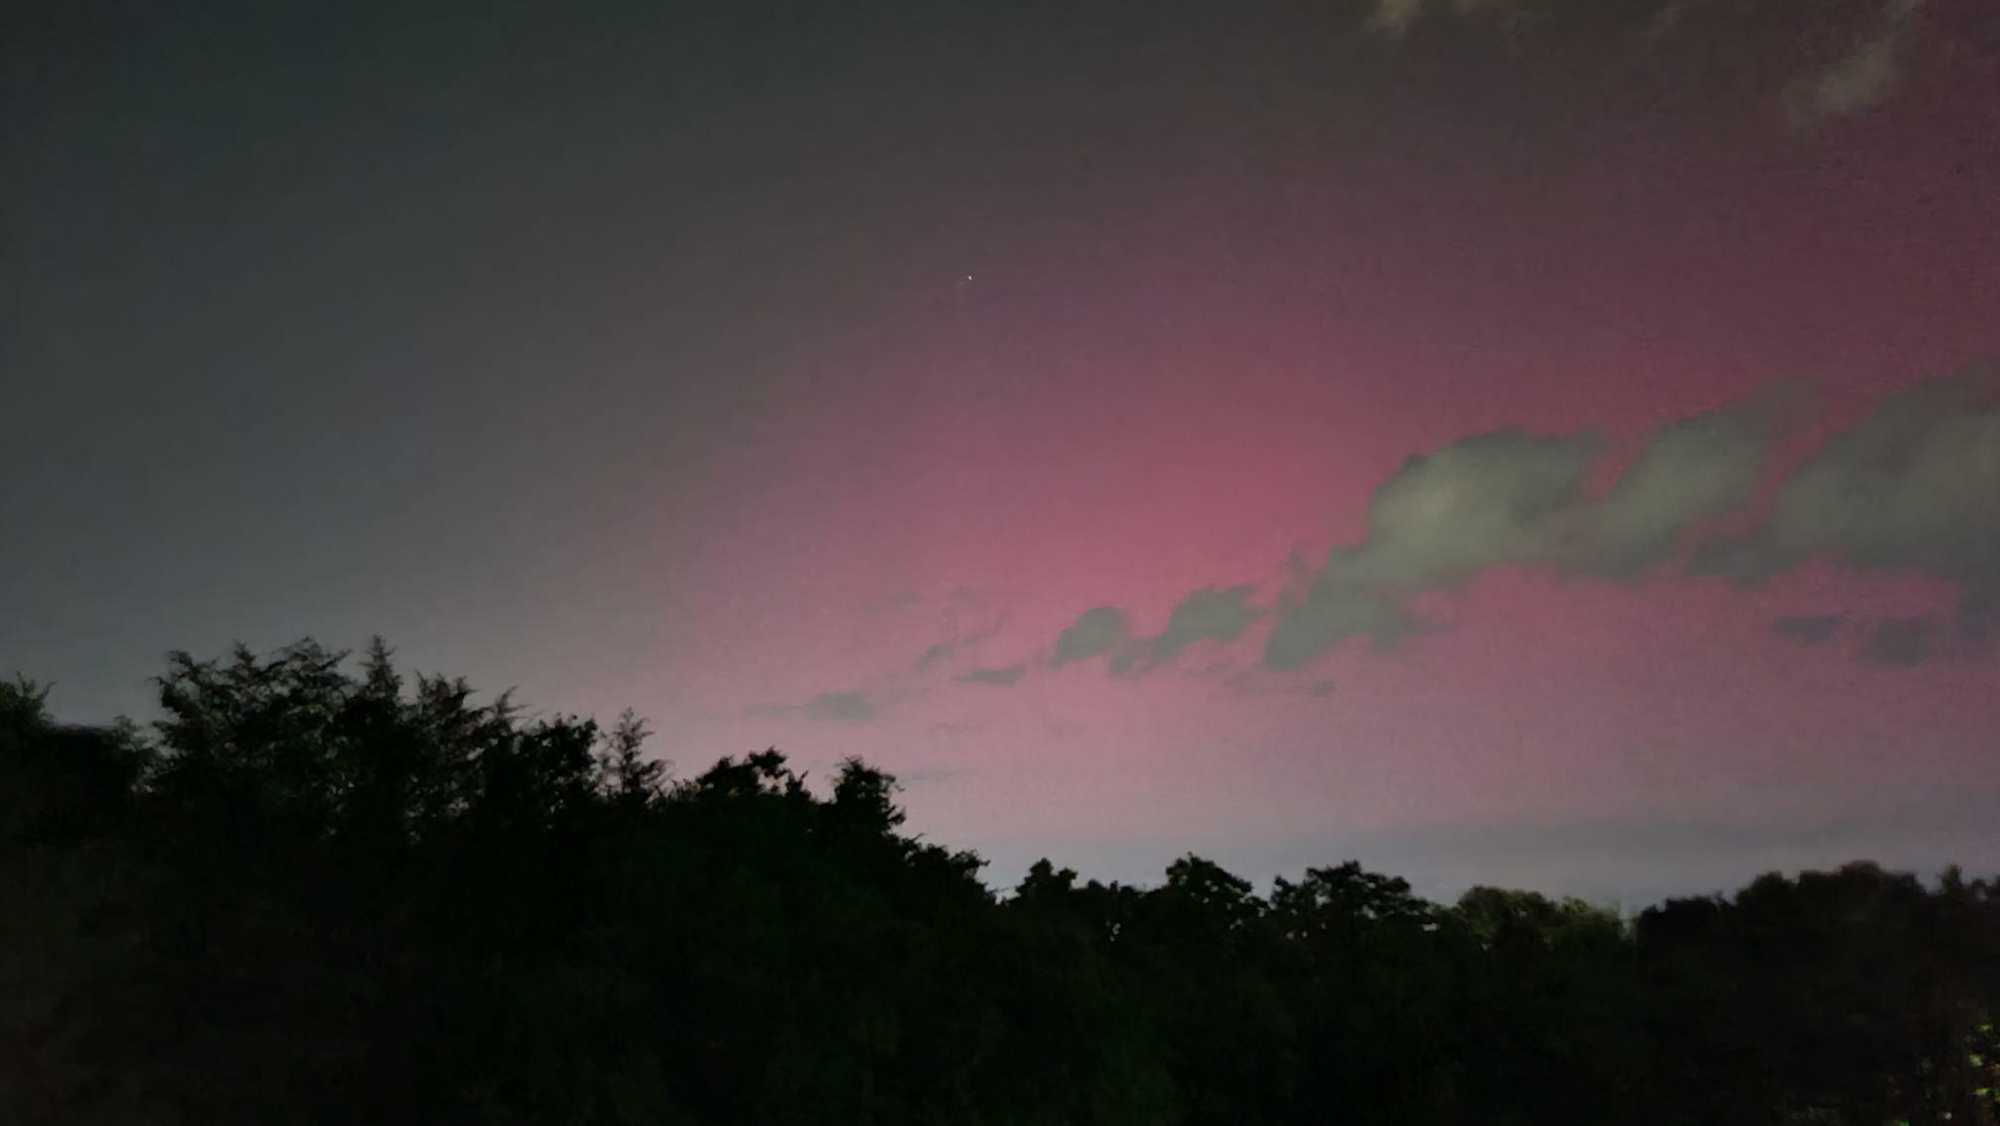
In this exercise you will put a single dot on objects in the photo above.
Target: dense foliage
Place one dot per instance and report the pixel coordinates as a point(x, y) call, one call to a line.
point(314, 895)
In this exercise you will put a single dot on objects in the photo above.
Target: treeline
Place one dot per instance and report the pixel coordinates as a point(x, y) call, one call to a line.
point(316, 893)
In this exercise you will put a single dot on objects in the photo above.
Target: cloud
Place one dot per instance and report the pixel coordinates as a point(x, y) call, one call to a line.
point(1209, 614)
point(1330, 614)
point(1480, 502)
point(1693, 469)
point(1394, 17)
point(1911, 488)
point(963, 640)
point(840, 707)
point(827, 707)
point(1863, 77)
point(1861, 80)
point(1869, 45)
point(930, 776)
point(1098, 632)
point(1806, 630)
point(1256, 682)
point(1666, 21)
point(1484, 500)
point(1000, 676)
point(1898, 642)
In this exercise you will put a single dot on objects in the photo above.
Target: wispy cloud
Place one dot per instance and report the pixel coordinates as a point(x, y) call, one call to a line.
point(1443, 518)
point(1909, 488)
point(1002, 677)
point(1874, 44)
point(827, 707)
point(1899, 642)
point(1103, 631)
point(1865, 75)
point(1394, 17)
point(1209, 614)
point(966, 622)
point(1806, 630)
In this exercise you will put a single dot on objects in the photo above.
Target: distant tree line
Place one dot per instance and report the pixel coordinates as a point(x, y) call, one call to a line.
point(318, 893)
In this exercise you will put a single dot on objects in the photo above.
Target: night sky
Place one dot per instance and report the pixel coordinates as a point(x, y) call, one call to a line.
point(1539, 442)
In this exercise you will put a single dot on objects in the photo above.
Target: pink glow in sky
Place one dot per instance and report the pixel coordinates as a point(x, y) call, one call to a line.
point(1009, 452)
point(735, 418)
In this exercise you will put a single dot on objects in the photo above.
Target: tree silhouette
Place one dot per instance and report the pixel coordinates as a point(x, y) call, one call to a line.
point(319, 891)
